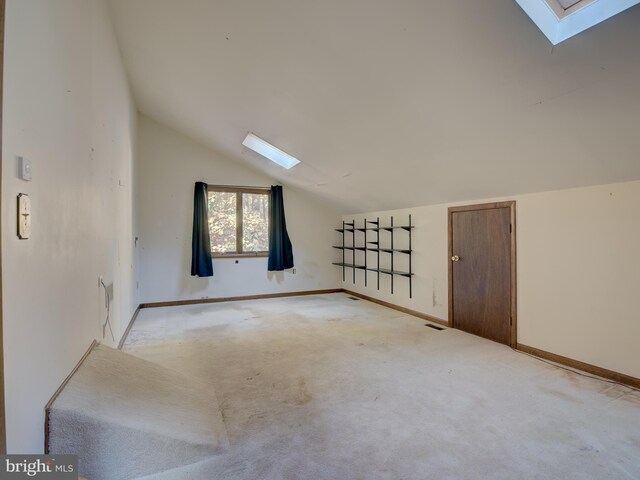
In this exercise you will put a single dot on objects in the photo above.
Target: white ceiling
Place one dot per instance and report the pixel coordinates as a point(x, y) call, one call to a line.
point(392, 104)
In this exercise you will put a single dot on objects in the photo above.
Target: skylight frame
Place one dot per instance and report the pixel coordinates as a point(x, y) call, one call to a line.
point(264, 148)
point(559, 24)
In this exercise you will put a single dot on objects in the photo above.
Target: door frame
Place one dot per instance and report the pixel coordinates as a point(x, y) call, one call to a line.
point(511, 205)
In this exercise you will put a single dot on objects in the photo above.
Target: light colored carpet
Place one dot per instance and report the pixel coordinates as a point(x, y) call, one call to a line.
point(325, 387)
point(127, 417)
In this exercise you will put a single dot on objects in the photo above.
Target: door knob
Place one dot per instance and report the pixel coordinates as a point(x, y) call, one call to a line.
point(455, 258)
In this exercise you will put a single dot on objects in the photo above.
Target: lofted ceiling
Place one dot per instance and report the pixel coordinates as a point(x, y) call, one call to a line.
point(392, 104)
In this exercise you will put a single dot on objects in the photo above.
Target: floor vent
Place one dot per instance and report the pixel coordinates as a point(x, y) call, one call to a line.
point(354, 298)
point(435, 327)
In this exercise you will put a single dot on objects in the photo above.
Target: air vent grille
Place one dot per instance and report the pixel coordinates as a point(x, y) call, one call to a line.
point(435, 327)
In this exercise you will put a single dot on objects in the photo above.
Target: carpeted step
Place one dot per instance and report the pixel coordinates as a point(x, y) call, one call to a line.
point(194, 470)
point(126, 417)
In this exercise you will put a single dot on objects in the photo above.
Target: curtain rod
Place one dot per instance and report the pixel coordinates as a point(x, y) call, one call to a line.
point(241, 186)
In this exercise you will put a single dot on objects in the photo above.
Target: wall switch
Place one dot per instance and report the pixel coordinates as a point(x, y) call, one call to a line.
point(24, 168)
point(24, 216)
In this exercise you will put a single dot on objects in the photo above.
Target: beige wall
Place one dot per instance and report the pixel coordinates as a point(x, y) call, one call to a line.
point(169, 166)
point(578, 271)
point(67, 108)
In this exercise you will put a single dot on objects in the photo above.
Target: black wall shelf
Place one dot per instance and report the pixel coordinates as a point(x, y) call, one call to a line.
point(373, 244)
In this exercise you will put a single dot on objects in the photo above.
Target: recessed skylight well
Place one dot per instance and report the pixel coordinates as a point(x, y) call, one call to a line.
point(562, 19)
point(267, 150)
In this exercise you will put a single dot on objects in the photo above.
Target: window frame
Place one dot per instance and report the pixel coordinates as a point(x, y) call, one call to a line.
point(239, 253)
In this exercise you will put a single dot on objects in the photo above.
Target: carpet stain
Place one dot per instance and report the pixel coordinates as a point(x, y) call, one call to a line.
point(562, 395)
point(589, 449)
point(302, 396)
point(631, 397)
point(209, 330)
point(574, 378)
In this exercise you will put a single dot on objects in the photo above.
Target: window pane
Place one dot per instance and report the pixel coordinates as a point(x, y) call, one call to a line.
point(255, 218)
point(222, 222)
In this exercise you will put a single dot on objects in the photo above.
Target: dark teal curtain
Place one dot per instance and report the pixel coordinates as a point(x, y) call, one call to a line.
point(280, 250)
point(201, 262)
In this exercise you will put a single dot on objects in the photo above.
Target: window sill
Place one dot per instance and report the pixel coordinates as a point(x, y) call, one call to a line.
point(241, 255)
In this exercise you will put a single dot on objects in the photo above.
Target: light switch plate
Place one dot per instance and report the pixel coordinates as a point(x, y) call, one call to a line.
point(24, 216)
point(24, 168)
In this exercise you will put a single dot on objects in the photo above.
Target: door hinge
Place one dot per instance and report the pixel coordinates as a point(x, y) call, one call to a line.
point(510, 228)
point(511, 321)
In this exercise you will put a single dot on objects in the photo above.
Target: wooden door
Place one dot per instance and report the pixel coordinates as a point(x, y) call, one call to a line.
point(482, 270)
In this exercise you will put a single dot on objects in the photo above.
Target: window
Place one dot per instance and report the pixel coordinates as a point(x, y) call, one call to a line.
point(239, 221)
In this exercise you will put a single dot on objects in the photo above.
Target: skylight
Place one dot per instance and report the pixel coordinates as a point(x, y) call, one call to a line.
point(269, 151)
point(562, 19)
